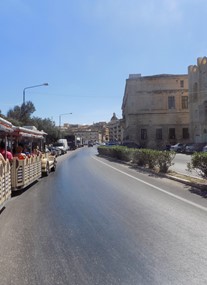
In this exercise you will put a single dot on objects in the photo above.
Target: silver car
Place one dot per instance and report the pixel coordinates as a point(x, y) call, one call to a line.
point(177, 147)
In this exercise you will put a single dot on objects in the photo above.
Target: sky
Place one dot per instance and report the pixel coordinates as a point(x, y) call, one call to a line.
point(86, 49)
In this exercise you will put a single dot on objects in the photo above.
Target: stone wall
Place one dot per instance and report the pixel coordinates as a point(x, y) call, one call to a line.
point(197, 75)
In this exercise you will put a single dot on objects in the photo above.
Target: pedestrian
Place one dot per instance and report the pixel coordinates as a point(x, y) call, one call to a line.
point(7, 154)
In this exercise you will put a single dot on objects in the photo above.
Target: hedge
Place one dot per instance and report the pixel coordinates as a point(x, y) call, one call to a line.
point(152, 159)
point(199, 163)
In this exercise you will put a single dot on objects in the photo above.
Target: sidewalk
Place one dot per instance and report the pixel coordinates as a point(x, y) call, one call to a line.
point(194, 181)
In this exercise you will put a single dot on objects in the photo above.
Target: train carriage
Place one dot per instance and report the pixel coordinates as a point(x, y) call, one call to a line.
point(27, 169)
point(6, 129)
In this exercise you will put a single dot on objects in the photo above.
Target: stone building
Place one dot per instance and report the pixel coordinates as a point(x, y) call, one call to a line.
point(115, 129)
point(97, 133)
point(197, 77)
point(89, 135)
point(155, 110)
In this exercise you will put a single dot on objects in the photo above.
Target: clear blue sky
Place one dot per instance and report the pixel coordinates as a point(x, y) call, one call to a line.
point(85, 50)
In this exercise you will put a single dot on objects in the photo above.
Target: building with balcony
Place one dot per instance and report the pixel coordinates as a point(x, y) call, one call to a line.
point(115, 129)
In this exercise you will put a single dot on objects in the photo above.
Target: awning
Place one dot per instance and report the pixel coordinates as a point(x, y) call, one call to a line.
point(5, 126)
point(26, 132)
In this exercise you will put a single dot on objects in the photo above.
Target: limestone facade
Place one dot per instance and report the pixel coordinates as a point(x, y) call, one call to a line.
point(197, 77)
point(115, 129)
point(155, 110)
point(98, 132)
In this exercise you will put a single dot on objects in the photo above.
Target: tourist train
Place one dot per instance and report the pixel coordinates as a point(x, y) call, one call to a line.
point(30, 160)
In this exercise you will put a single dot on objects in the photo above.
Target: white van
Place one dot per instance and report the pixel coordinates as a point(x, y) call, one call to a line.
point(62, 144)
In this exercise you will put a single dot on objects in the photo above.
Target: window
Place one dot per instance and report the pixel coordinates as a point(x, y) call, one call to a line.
point(171, 102)
point(181, 83)
point(143, 134)
point(184, 102)
point(185, 133)
point(159, 134)
point(172, 133)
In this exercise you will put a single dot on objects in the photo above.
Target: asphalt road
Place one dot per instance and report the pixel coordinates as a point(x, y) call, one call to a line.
point(95, 221)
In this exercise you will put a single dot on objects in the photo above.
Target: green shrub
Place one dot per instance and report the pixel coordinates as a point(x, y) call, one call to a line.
point(123, 153)
point(138, 157)
point(141, 157)
point(145, 157)
point(164, 160)
point(102, 150)
point(150, 157)
point(117, 152)
point(199, 162)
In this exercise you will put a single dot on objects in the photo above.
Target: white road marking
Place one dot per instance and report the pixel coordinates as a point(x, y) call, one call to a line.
point(153, 186)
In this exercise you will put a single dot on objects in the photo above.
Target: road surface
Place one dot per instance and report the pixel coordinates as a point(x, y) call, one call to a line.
point(95, 221)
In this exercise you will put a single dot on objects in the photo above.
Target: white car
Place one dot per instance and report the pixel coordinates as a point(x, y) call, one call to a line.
point(205, 148)
point(177, 147)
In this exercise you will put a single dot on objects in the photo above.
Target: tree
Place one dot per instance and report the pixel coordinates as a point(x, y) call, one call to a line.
point(47, 126)
point(22, 114)
point(14, 113)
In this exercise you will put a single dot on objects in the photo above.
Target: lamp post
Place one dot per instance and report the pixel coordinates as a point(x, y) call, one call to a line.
point(60, 122)
point(60, 118)
point(44, 84)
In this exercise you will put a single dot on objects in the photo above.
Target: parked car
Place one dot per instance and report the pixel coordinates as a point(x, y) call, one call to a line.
point(167, 147)
point(90, 144)
point(54, 151)
point(189, 148)
point(64, 144)
point(195, 147)
point(178, 147)
point(60, 146)
point(111, 143)
point(130, 144)
point(204, 148)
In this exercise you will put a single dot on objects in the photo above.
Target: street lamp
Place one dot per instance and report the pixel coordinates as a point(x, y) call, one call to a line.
point(60, 121)
point(60, 118)
point(44, 84)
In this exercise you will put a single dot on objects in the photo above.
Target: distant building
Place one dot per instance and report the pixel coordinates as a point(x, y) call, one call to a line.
point(92, 135)
point(97, 132)
point(155, 110)
point(115, 129)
